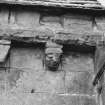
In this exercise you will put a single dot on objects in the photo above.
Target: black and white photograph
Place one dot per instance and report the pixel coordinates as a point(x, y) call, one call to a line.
point(52, 52)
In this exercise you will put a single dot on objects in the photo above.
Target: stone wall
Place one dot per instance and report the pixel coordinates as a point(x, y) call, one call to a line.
point(44, 24)
point(52, 21)
point(26, 82)
point(30, 18)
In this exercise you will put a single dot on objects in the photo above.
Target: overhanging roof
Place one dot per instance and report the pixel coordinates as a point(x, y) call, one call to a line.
point(83, 4)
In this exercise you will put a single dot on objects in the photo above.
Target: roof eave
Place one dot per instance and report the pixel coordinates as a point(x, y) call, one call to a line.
point(91, 5)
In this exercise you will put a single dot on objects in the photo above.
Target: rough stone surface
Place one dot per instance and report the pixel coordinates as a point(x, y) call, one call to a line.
point(27, 82)
point(4, 49)
point(77, 23)
point(44, 82)
point(78, 62)
point(29, 59)
point(52, 22)
point(24, 18)
point(46, 99)
point(79, 82)
point(79, 100)
point(100, 21)
point(4, 14)
point(2, 81)
point(13, 76)
point(69, 28)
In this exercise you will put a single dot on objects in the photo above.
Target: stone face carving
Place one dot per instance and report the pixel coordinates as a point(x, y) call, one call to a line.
point(53, 54)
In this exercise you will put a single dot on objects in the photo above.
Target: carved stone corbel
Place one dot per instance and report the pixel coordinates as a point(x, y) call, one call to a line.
point(53, 55)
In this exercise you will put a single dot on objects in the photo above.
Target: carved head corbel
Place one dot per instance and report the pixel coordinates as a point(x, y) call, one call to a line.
point(53, 54)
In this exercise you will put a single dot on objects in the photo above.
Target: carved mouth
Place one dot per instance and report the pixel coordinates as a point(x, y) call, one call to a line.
point(52, 65)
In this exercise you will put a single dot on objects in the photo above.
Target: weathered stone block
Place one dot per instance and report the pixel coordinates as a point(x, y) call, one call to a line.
point(45, 99)
point(48, 18)
point(79, 100)
point(51, 82)
point(87, 101)
point(100, 21)
point(39, 82)
point(54, 99)
point(4, 50)
point(25, 18)
point(78, 23)
point(40, 99)
point(78, 62)
point(13, 77)
point(79, 82)
point(10, 99)
point(27, 58)
point(4, 14)
point(2, 81)
point(52, 22)
point(102, 96)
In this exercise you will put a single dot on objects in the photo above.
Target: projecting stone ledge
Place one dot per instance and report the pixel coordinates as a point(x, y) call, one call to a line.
point(61, 37)
point(4, 49)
